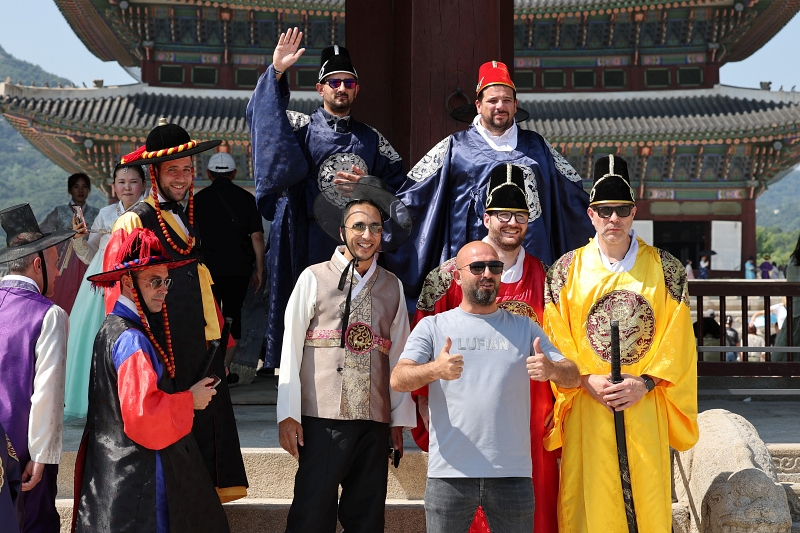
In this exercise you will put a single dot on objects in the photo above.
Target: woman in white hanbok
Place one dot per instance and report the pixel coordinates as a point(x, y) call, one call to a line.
point(89, 310)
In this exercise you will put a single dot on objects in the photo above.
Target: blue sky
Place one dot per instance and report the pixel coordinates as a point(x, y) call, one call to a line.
point(35, 31)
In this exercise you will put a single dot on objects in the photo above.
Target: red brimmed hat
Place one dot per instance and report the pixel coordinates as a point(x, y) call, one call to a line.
point(140, 250)
point(494, 73)
point(165, 143)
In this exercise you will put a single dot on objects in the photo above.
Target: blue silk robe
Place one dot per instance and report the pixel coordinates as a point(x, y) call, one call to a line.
point(446, 195)
point(294, 157)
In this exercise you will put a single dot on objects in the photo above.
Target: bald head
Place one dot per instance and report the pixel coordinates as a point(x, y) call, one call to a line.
point(475, 251)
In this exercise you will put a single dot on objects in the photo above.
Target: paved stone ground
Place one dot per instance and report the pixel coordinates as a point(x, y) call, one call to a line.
point(775, 421)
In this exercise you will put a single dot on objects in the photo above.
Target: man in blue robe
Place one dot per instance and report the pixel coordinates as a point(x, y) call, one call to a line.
point(446, 191)
point(295, 156)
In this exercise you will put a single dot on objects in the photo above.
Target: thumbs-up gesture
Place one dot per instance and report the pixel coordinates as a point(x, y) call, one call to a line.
point(450, 365)
point(540, 368)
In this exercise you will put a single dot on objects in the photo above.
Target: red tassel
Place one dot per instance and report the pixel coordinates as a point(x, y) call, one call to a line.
point(139, 244)
point(135, 155)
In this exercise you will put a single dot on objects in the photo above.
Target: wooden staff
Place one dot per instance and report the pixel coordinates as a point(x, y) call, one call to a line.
point(619, 426)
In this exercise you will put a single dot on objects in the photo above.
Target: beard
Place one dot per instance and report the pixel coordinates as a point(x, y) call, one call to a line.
point(507, 244)
point(340, 106)
point(166, 193)
point(481, 297)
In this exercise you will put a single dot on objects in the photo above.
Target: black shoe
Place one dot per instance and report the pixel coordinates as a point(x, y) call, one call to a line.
point(233, 379)
point(264, 371)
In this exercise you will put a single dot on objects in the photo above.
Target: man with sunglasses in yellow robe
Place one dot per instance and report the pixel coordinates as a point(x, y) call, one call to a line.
point(617, 276)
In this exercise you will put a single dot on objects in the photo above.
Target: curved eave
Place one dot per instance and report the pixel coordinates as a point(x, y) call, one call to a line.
point(766, 26)
point(92, 30)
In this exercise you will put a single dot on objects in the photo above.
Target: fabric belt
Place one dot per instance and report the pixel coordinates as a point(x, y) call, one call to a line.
point(360, 339)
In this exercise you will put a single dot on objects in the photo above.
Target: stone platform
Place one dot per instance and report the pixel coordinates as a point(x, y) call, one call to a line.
point(271, 470)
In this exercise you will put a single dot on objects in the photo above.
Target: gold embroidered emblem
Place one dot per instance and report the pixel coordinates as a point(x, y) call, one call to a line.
point(674, 277)
point(359, 338)
point(637, 325)
point(557, 278)
point(516, 307)
point(436, 285)
point(11, 451)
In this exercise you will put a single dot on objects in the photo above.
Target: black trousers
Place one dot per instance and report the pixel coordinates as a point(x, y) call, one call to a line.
point(350, 453)
point(230, 293)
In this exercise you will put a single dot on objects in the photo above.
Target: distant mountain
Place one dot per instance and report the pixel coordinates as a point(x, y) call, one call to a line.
point(27, 176)
point(778, 218)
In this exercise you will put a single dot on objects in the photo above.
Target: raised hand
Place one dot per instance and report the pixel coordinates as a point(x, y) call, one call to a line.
point(450, 365)
point(286, 53)
point(349, 177)
point(540, 367)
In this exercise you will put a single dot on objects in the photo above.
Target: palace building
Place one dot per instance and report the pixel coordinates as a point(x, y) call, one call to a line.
point(634, 78)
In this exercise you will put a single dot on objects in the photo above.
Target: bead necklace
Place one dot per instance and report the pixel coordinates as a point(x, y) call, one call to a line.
point(168, 357)
point(190, 239)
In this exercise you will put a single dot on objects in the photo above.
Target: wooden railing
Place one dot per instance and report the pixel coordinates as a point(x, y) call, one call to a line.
point(770, 291)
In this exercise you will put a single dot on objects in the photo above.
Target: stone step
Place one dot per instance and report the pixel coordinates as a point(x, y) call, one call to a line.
point(793, 496)
point(786, 459)
point(270, 473)
point(266, 515)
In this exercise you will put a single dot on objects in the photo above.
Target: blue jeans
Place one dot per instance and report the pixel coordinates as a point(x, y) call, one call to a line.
point(731, 356)
point(450, 504)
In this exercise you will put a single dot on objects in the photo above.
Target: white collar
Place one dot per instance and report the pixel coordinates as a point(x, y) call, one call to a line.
point(24, 279)
point(362, 280)
point(505, 142)
point(513, 273)
point(127, 302)
point(627, 262)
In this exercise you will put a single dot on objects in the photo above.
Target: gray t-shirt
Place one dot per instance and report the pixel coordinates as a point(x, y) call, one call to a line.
point(480, 423)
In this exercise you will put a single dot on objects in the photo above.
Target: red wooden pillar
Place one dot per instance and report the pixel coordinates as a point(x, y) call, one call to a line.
point(412, 54)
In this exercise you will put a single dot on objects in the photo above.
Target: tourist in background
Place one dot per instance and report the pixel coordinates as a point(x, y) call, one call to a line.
point(782, 339)
point(229, 226)
point(689, 269)
point(765, 267)
point(71, 269)
point(755, 340)
point(750, 268)
point(777, 271)
point(704, 266)
point(732, 339)
point(90, 309)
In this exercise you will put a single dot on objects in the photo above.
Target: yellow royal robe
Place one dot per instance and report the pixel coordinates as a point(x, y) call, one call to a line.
point(651, 302)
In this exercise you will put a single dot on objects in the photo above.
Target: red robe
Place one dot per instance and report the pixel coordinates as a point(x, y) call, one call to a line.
point(525, 297)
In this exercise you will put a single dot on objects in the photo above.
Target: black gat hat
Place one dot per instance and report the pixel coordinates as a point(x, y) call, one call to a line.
point(612, 185)
point(165, 143)
point(20, 219)
point(335, 60)
point(506, 189)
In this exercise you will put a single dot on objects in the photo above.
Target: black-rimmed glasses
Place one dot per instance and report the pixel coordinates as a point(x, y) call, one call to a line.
point(336, 82)
point(477, 268)
point(505, 216)
point(359, 228)
point(605, 211)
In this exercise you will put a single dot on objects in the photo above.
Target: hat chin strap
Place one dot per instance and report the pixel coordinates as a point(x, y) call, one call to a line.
point(351, 267)
point(44, 273)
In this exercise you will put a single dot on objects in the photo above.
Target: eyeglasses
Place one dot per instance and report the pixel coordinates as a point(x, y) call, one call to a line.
point(359, 228)
point(479, 267)
point(335, 82)
point(156, 283)
point(605, 211)
point(505, 216)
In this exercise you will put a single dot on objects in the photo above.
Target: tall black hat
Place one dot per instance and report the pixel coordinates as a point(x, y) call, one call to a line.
point(611, 182)
point(506, 189)
point(20, 219)
point(164, 143)
point(335, 60)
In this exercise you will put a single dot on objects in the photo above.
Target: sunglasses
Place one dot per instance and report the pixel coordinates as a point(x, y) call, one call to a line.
point(359, 228)
point(505, 217)
point(605, 211)
point(156, 283)
point(479, 267)
point(335, 82)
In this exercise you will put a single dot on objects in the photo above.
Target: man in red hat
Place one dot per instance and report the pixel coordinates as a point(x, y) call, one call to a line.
point(296, 156)
point(446, 191)
point(139, 467)
point(194, 317)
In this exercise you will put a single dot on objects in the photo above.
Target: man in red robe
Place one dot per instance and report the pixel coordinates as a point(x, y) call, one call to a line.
point(521, 292)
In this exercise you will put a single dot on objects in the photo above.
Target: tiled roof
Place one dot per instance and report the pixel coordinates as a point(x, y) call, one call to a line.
point(134, 110)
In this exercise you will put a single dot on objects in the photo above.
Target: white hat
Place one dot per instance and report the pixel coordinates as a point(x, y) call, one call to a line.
point(221, 162)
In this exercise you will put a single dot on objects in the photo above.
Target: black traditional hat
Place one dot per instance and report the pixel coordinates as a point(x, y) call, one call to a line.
point(611, 182)
point(506, 189)
point(164, 143)
point(335, 60)
point(331, 202)
point(20, 219)
point(141, 249)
